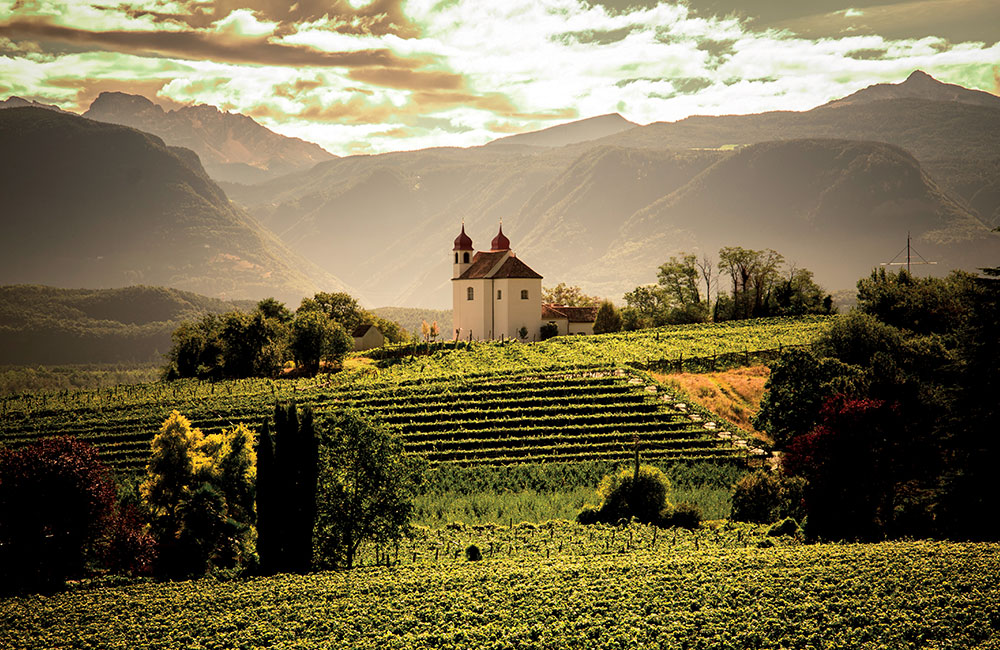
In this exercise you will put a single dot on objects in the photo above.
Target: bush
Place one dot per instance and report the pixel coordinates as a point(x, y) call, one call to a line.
point(548, 330)
point(589, 515)
point(764, 497)
point(787, 527)
point(56, 498)
point(623, 497)
point(685, 515)
point(472, 553)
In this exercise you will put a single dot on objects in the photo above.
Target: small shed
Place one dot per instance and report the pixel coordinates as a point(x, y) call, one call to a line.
point(367, 336)
point(570, 320)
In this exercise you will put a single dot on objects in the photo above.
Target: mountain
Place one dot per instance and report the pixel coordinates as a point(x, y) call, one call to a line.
point(47, 325)
point(101, 205)
point(571, 133)
point(605, 213)
point(836, 207)
point(920, 85)
point(18, 102)
point(232, 147)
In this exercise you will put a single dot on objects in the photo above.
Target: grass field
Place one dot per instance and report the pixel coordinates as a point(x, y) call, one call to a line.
point(557, 586)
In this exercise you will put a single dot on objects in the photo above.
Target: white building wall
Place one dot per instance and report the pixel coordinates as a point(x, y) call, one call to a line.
point(580, 328)
point(512, 312)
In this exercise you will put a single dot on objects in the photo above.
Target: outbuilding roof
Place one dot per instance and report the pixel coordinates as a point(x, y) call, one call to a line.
point(571, 314)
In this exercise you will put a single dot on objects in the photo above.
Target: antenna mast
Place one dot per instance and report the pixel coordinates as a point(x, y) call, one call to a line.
point(908, 261)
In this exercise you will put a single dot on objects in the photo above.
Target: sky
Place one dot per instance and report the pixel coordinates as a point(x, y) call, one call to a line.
point(369, 76)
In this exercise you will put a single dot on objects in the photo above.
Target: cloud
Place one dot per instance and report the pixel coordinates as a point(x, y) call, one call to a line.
point(197, 45)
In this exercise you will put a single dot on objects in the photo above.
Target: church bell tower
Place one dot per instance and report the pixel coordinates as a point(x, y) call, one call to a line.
point(462, 254)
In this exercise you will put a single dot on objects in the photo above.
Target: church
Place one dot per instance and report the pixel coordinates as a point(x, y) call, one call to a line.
point(497, 296)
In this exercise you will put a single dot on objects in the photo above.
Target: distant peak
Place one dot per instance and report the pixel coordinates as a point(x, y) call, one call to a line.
point(919, 76)
point(113, 99)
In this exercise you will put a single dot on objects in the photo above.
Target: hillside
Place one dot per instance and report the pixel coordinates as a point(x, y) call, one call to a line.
point(100, 205)
point(232, 147)
point(835, 207)
point(920, 85)
point(571, 211)
point(46, 325)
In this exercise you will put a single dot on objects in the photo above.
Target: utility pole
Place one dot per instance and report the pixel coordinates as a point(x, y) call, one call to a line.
point(909, 260)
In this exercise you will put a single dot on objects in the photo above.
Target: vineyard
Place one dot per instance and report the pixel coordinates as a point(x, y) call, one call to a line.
point(567, 399)
point(557, 585)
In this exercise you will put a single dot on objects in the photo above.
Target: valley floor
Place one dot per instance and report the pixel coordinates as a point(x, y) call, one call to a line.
point(558, 585)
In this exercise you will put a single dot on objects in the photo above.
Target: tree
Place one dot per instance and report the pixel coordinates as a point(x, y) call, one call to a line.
point(274, 309)
point(286, 491)
point(365, 483)
point(608, 319)
point(199, 493)
point(315, 338)
point(708, 275)
point(570, 296)
point(56, 498)
point(642, 492)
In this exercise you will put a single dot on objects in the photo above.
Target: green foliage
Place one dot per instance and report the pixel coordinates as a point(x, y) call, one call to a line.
point(472, 553)
point(628, 493)
point(559, 585)
point(786, 527)
point(764, 496)
point(364, 486)
point(799, 383)
point(608, 319)
point(56, 499)
point(316, 338)
point(683, 515)
point(198, 491)
point(548, 330)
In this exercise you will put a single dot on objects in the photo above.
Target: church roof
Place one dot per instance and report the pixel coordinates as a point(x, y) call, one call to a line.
point(483, 263)
point(571, 314)
point(463, 242)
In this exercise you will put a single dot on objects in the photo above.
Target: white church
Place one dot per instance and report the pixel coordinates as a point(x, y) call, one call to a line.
point(497, 296)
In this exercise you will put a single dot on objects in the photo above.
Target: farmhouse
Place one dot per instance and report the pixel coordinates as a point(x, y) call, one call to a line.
point(367, 336)
point(495, 295)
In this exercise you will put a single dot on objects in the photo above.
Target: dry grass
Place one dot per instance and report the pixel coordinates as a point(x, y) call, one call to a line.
point(733, 395)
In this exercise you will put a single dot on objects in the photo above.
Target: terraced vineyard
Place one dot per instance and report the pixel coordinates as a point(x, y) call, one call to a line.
point(566, 399)
point(586, 414)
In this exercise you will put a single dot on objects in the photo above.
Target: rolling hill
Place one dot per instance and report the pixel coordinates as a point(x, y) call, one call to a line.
point(46, 325)
point(232, 147)
point(100, 205)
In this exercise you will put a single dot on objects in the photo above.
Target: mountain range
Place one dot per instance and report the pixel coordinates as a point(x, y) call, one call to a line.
point(598, 203)
point(232, 147)
point(88, 204)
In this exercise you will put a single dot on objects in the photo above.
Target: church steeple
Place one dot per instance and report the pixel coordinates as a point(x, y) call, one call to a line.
point(500, 242)
point(462, 253)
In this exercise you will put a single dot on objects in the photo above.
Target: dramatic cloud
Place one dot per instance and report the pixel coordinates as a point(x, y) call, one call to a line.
point(369, 76)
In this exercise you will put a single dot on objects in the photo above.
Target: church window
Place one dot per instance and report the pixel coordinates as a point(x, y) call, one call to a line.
point(470, 293)
point(465, 258)
point(524, 294)
point(499, 294)
point(456, 258)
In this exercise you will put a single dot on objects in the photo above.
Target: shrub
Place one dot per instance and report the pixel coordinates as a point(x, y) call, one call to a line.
point(548, 330)
point(624, 496)
point(472, 553)
point(685, 515)
point(786, 527)
point(56, 498)
point(764, 497)
point(589, 515)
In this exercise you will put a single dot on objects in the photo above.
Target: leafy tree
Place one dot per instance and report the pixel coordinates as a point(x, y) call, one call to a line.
point(799, 294)
point(274, 309)
point(642, 492)
point(674, 299)
point(286, 491)
point(548, 330)
point(316, 338)
point(608, 319)
point(365, 483)
point(799, 384)
point(199, 493)
point(753, 275)
point(339, 307)
point(570, 296)
point(56, 498)
point(678, 277)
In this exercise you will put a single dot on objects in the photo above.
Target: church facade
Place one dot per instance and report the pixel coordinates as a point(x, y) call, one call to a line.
point(497, 296)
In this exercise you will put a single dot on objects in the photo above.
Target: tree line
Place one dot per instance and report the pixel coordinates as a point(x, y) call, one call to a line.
point(262, 342)
point(306, 495)
point(888, 424)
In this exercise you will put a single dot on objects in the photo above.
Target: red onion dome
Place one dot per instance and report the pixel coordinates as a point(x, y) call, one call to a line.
point(463, 242)
point(500, 242)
